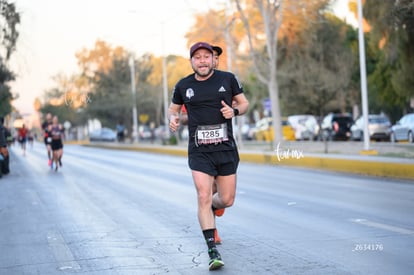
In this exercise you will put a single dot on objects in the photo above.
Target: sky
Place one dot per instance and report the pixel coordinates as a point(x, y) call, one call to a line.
point(52, 31)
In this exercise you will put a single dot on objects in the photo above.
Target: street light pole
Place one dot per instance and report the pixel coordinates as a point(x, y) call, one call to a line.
point(165, 84)
point(363, 73)
point(134, 103)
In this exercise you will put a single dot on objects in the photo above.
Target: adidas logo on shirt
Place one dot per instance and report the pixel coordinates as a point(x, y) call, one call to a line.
point(222, 89)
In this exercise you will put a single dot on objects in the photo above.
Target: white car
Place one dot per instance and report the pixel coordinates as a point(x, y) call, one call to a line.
point(306, 126)
point(378, 128)
point(403, 129)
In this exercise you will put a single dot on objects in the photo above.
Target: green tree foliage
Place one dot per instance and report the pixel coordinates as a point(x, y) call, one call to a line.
point(315, 71)
point(392, 38)
point(103, 88)
point(5, 93)
point(111, 96)
point(9, 21)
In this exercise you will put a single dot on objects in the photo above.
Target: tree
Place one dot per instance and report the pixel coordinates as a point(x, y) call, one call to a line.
point(111, 97)
point(85, 92)
point(9, 20)
point(98, 59)
point(271, 13)
point(263, 42)
point(392, 38)
point(58, 101)
point(315, 71)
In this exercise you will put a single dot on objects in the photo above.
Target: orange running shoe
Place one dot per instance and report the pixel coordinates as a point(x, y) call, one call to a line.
point(217, 238)
point(219, 212)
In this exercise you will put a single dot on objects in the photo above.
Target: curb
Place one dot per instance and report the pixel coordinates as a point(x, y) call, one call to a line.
point(354, 165)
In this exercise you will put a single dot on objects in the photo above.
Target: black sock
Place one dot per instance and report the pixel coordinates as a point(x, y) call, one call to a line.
point(209, 237)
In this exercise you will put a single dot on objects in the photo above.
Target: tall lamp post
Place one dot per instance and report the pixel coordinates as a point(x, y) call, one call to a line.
point(134, 103)
point(363, 71)
point(164, 84)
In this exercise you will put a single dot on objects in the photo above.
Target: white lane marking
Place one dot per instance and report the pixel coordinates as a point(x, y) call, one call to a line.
point(61, 251)
point(384, 226)
point(291, 203)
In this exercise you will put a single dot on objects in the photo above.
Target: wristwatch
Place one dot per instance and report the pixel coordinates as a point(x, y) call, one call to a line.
point(236, 111)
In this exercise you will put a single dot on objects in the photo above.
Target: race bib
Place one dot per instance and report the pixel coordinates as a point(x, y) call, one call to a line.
point(49, 139)
point(211, 134)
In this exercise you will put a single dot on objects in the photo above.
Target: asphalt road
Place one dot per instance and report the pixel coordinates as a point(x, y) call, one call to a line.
point(121, 212)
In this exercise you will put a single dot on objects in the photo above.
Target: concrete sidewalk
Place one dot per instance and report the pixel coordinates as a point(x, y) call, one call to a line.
point(384, 160)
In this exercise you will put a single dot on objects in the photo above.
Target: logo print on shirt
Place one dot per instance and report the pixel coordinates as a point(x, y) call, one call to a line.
point(222, 89)
point(189, 93)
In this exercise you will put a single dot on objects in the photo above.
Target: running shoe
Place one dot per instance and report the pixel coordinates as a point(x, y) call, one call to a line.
point(217, 238)
point(215, 259)
point(49, 162)
point(219, 212)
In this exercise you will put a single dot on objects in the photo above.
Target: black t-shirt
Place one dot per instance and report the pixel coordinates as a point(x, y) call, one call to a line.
point(202, 100)
point(45, 127)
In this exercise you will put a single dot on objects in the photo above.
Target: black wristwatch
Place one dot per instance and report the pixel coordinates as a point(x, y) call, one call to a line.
point(236, 111)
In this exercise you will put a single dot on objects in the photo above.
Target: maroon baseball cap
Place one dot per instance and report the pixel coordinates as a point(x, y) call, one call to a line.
point(200, 45)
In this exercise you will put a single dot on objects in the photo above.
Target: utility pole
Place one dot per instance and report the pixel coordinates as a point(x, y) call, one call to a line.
point(134, 103)
point(237, 122)
point(165, 85)
point(363, 72)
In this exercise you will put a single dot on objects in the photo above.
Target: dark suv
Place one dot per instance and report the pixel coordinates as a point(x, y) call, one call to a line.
point(336, 126)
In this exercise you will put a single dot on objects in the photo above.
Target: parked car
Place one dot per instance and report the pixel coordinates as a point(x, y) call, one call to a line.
point(144, 132)
point(247, 131)
point(103, 134)
point(264, 130)
point(378, 128)
point(306, 126)
point(336, 126)
point(161, 132)
point(403, 129)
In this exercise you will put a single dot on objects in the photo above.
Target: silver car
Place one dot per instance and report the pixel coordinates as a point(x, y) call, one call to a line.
point(378, 128)
point(403, 129)
point(103, 134)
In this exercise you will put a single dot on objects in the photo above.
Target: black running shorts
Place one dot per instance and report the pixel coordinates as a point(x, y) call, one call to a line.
point(56, 144)
point(222, 163)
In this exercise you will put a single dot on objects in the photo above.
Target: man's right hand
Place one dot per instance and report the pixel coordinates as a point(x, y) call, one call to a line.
point(174, 122)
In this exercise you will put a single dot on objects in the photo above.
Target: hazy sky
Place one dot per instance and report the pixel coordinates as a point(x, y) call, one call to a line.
point(52, 31)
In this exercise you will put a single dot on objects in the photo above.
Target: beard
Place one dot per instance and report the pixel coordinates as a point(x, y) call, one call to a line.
point(203, 71)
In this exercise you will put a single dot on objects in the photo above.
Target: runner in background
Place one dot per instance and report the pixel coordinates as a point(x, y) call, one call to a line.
point(47, 138)
point(56, 132)
point(22, 138)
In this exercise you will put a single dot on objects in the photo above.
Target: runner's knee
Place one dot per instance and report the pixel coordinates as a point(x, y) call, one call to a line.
point(227, 200)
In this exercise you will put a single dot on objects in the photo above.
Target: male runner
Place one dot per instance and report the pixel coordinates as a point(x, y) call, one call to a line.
point(212, 152)
point(217, 51)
